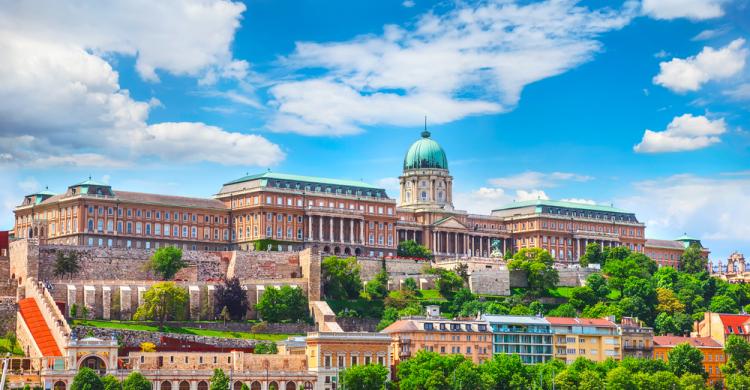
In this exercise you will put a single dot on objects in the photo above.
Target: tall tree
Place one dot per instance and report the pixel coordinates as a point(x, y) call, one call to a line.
point(592, 255)
point(684, 359)
point(110, 382)
point(598, 283)
point(411, 248)
point(66, 264)
point(364, 377)
point(737, 350)
point(219, 381)
point(232, 296)
point(538, 265)
point(448, 282)
point(136, 381)
point(283, 304)
point(692, 260)
point(86, 379)
point(377, 288)
point(162, 302)
point(167, 261)
point(341, 279)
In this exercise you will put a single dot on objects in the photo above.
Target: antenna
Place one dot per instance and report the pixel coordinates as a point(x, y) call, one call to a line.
point(425, 122)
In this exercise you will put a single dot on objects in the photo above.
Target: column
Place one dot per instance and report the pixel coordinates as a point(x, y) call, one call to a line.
point(434, 242)
point(194, 296)
point(351, 231)
point(471, 245)
point(106, 302)
point(310, 228)
point(89, 300)
point(578, 244)
point(320, 230)
point(362, 231)
point(504, 245)
point(125, 302)
point(455, 244)
point(341, 230)
point(602, 244)
point(330, 228)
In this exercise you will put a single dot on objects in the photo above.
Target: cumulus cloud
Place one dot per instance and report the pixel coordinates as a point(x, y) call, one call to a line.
point(473, 60)
point(690, 9)
point(684, 133)
point(689, 74)
point(61, 103)
point(486, 199)
point(706, 207)
point(531, 180)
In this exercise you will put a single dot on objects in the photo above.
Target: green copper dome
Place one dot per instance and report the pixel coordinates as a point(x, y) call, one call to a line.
point(425, 153)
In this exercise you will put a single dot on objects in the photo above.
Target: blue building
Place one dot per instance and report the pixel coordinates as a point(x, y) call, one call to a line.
point(529, 337)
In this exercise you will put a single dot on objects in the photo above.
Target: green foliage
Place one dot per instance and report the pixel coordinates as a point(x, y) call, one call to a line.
point(232, 296)
point(621, 379)
point(163, 301)
point(684, 359)
point(377, 288)
point(598, 284)
point(73, 311)
point(462, 270)
point(564, 310)
point(540, 273)
point(267, 348)
point(167, 261)
point(410, 284)
point(86, 379)
point(410, 248)
point(737, 382)
point(341, 279)
point(723, 304)
point(364, 377)
point(737, 350)
point(619, 270)
point(592, 255)
point(692, 382)
point(110, 382)
point(136, 381)
point(448, 282)
point(66, 264)
point(692, 260)
point(283, 304)
point(582, 297)
point(219, 381)
point(590, 380)
point(267, 244)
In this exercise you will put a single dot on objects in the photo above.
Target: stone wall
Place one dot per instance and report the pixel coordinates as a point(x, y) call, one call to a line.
point(473, 264)
point(490, 282)
point(574, 276)
point(24, 259)
point(310, 266)
point(263, 265)
point(8, 309)
point(134, 338)
point(370, 266)
point(358, 324)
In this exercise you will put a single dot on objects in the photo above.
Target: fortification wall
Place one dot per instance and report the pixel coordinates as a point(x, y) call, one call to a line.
point(263, 265)
point(370, 266)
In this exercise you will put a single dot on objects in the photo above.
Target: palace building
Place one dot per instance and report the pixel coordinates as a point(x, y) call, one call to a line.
point(292, 212)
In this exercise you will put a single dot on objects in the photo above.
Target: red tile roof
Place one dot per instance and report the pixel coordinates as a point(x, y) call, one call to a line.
point(735, 321)
point(38, 327)
point(601, 322)
point(671, 341)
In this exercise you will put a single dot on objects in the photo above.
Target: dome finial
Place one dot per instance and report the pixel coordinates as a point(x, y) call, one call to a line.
point(425, 133)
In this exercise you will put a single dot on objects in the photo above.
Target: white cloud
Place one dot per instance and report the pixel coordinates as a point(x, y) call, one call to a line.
point(472, 60)
point(689, 74)
point(62, 105)
point(684, 133)
point(485, 199)
point(710, 208)
point(182, 37)
point(740, 92)
point(691, 9)
point(29, 185)
point(710, 34)
point(408, 3)
point(531, 179)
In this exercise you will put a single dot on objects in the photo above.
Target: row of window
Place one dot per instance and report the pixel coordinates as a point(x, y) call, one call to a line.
point(156, 214)
point(329, 189)
point(354, 360)
point(298, 202)
point(139, 228)
point(453, 327)
point(589, 214)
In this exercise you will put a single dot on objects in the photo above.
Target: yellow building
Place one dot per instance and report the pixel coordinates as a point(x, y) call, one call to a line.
point(713, 353)
point(329, 353)
point(593, 338)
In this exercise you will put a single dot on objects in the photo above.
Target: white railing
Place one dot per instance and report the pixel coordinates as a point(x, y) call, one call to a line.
point(50, 312)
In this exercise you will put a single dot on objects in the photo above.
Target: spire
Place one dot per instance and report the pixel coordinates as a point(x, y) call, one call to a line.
point(425, 133)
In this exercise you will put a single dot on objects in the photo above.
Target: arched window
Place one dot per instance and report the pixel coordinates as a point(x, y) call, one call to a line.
point(184, 385)
point(166, 385)
point(255, 386)
point(91, 225)
point(424, 195)
point(202, 385)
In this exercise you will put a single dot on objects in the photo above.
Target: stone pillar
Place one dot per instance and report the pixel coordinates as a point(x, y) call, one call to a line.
point(320, 229)
point(504, 246)
point(351, 231)
point(330, 228)
point(71, 297)
point(455, 244)
point(362, 231)
point(194, 294)
point(211, 291)
point(89, 300)
point(106, 302)
point(141, 291)
point(341, 231)
point(125, 310)
point(309, 228)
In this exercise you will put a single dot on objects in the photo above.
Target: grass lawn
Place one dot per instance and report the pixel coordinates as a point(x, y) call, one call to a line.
point(6, 347)
point(429, 294)
point(560, 292)
point(200, 332)
point(363, 307)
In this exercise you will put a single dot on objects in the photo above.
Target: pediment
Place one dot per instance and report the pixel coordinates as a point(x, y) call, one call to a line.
point(451, 223)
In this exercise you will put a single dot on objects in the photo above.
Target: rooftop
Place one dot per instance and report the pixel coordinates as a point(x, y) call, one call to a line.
point(525, 320)
point(305, 179)
point(560, 203)
point(671, 341)
point(598, 322)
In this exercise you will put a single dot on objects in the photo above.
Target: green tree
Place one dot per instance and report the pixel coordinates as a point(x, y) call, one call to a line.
point(219, 381)
point(723, 304)
point(377, 288)
point(692, 260)
point(668, 302)
point(410, 248)
point(590, 380)
point(410, 284)
point(737, 382)
point(266, 348)
point(136, 381)
point(364, 377)
point(564, 310)
point(283, 304)
point(592, 255)
point(598, 283)
point(462, 270)
point(684, 358)
point(737, 350)
point(86, 379)
point(665, 324)
point(506, 372)
point(163, 301)
point(466, 377)
point(110, 382)
point(427, 370)
point(66, 264)
point(538, 264)
point(581, 297)
point(341, 279)
point(448, 282)
point(167, 261)
point(620, 379)
point(231, 295)
point(692, 382)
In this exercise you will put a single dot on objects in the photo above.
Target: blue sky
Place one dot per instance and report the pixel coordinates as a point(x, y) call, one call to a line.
point(644, 105)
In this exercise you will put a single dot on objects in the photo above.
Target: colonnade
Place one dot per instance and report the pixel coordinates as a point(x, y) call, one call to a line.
point(463, 244)
point(336, 229)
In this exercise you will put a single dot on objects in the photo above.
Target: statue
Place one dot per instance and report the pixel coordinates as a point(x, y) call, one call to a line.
point(496, 252)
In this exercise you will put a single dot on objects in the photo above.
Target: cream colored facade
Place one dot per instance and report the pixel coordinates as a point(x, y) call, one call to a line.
point(329, 353)
point(593, 338)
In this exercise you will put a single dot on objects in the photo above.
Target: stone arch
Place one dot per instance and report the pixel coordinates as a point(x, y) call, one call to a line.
point(255, 386)
point(237, 385)
point(93, 362)
point(202, 385)
point(273, 386)
point(358, 252)
point(336, 250)
point(31, 233)
point(291, 386)
point(326, 249)
point(36, 232)
point(41, 232)
point(184, 385)
point(165, 385)
point(347, 251)
point(59, 385)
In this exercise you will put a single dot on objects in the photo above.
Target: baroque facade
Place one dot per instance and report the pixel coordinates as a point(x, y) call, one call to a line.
point(293, 212)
